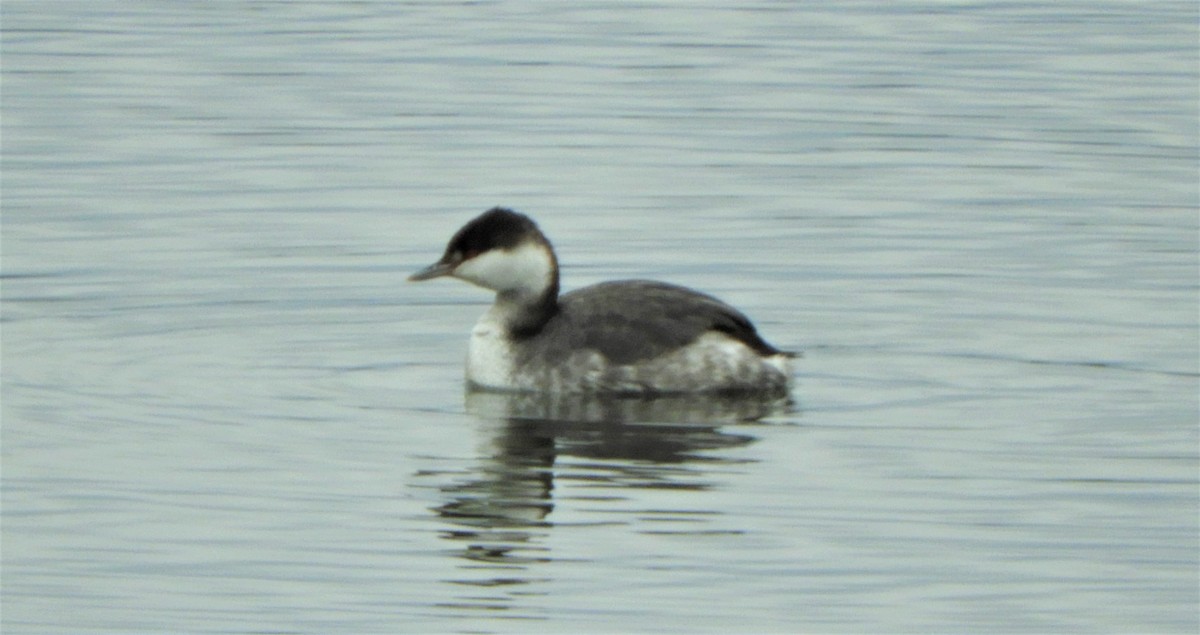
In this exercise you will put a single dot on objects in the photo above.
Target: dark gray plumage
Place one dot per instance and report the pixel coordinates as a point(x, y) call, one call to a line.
point(632, 320)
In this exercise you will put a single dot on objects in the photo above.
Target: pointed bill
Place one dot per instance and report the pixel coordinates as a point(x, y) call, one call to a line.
point(436, 270)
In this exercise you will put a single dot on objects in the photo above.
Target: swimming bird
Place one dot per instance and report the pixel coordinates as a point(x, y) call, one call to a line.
point(626, 336)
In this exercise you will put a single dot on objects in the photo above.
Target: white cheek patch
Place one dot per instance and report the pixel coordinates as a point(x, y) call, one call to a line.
point(526, 267)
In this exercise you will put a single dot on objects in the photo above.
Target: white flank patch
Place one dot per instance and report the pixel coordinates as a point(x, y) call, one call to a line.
point(714, 361)
point(781, 363)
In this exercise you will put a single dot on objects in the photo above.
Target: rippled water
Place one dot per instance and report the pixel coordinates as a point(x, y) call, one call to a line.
point(224, 411)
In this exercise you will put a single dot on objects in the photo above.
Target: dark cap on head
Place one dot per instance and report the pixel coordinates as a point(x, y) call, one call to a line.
point(497, 228)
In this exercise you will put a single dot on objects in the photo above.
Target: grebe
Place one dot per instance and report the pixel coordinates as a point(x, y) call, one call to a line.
point(628, 336)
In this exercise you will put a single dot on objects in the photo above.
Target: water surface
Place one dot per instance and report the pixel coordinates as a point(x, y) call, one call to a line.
point(225, 411)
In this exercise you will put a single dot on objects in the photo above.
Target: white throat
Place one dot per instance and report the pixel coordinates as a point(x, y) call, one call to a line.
point(525, 271)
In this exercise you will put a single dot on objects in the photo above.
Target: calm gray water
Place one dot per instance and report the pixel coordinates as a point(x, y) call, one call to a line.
point(225, 411)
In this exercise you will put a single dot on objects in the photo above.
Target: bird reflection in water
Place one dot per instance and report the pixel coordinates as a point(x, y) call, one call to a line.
point(499, 513)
